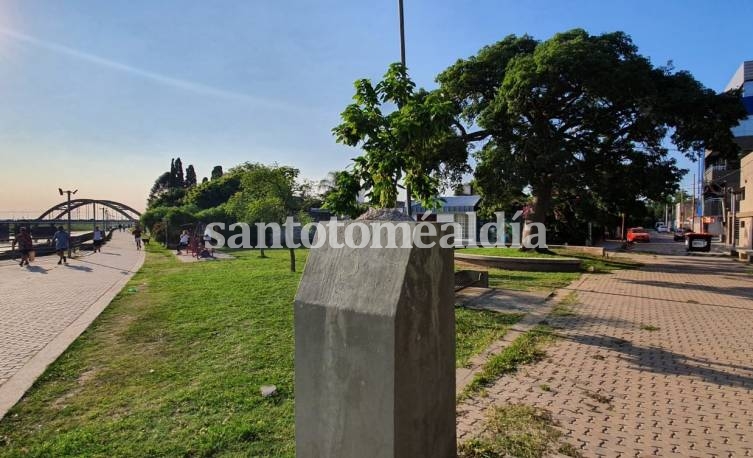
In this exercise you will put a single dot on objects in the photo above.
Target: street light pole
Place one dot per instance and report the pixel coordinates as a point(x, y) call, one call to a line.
point(408, 209)
point(69, 215)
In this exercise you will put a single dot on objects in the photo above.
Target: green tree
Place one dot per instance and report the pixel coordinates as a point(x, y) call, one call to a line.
point(266, 194)
point(214, 192)
point(343, 195)
point(161, 184)
point(582, 115)
point(178, 180)
point(406, 135)
point(190, 176)
point(216, 172)
point(171, 181)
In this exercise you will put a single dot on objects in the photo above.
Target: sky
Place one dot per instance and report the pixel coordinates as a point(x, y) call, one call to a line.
point(99, 96)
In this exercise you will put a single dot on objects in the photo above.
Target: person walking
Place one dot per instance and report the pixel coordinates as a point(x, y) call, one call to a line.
point(184, 240)
point(61, 239)
point(98, 238)
point(137, 237)
point(25, 245)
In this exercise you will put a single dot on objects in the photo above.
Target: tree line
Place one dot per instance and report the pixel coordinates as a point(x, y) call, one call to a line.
point(249, 192)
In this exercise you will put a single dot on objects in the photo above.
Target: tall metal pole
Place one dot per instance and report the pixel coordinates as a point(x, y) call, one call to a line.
point(692, 223)
point(408, 209)
point(69, 224)
point(402, 32)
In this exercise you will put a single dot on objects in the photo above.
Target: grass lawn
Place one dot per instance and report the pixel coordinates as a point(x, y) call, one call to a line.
point(477, 329)
point(174, 365)
point(505, 252)
point(530, 281)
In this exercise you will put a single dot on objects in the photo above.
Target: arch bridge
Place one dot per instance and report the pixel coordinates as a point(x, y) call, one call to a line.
point(60, 210)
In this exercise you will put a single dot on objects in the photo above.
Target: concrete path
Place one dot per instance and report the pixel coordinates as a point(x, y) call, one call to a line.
point(618, 386)
point(44, 307)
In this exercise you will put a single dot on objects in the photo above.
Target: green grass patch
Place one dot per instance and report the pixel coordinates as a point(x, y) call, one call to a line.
point(598, 264)
point(530, 281)
point(649, 327)
point(565, 307)
point(526, 349)
point(517, 430)
point(477, 329)
point(174, 365)
point(506, 252)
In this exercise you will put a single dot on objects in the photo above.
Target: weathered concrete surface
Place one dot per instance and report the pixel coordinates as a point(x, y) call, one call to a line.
point(552, 264)
point(375, 353)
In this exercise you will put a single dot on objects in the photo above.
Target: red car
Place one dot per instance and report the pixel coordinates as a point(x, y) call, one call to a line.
point(637, 234)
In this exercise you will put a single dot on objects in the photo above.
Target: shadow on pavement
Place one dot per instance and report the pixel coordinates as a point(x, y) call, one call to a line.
point(36, 269)
point(81, 268)
point(662, 361)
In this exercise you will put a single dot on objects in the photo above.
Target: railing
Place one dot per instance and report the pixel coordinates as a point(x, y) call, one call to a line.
point(714, 172)
point(76, 241)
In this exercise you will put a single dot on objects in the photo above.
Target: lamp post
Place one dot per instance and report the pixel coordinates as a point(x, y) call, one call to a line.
point(60, 190)
point(164, 220)
point(408, 209)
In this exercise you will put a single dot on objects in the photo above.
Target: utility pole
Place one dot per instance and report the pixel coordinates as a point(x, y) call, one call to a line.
point(69, 215)
point(408, 209)
point(732, 233)
point(692, 224)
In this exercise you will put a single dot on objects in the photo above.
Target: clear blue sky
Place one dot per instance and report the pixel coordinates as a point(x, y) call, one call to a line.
point(99, 95)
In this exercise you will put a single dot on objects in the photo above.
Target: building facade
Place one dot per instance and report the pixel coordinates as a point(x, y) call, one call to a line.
point(744, 216)
point(722, 177)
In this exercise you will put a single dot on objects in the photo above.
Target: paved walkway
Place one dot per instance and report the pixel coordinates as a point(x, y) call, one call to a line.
point(618, 387)
point(44, 307)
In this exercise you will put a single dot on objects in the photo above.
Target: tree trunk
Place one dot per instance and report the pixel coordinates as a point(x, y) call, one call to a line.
point(542, 205)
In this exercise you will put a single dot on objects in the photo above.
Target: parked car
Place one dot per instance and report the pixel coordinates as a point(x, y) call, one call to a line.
point(662, 228)
point(679, 235)
point(637, 234)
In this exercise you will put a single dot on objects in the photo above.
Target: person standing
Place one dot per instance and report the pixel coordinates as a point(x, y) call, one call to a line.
point(137, 237)
point(98, 238)
point(25, 245)
point(61, 239)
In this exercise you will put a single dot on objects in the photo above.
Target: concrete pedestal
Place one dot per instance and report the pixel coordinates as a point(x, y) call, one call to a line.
point(375, 353)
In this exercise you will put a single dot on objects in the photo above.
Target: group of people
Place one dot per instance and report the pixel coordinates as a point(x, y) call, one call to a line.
point(200, 248)
point(61, 240)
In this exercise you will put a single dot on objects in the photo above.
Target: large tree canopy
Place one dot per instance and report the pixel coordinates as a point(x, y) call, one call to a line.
point(582, 116)
point(267, 194)
point(405, 134)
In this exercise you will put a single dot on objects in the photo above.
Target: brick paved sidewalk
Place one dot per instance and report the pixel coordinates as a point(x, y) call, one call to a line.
point(618, 388)
point(44, 307)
